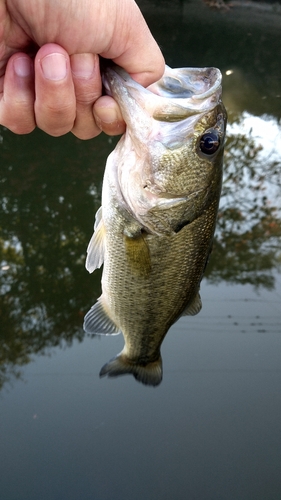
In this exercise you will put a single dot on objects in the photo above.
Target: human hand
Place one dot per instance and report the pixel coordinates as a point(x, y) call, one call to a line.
point(58, 86)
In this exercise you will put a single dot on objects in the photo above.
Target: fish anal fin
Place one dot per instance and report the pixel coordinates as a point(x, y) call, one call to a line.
point(194, 307)
point(98, 322)
point(138, 254)
point(95, 250)
point(149, 374)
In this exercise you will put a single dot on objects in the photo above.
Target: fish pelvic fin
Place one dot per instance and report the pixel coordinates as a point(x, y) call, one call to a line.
point(95, 250)
point(149, 374)
point(194, 307)
point(98, 322)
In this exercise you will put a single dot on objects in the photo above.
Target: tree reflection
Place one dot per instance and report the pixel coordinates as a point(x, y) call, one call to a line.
point(247, 242)
point(48, 200)
point(50, 190)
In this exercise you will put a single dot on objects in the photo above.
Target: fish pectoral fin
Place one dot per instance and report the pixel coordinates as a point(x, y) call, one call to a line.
point(138, 254)
point(194, 307)
point(149, 374)
point(98, 322)
point(95, 250)
point(98, 218)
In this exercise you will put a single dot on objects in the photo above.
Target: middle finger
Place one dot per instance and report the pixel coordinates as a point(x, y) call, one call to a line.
point(55, 103)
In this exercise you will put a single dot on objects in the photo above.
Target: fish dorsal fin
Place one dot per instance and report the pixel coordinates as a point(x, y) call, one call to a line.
point(98, 322)
point(193, 307)
point(95, 250)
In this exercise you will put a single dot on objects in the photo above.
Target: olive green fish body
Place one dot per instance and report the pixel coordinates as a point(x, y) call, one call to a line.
point(154, 231)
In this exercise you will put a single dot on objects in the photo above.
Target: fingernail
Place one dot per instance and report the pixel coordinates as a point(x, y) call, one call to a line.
point(83, 65)
point(22, 66)
point(54, 66)
point(108, 115)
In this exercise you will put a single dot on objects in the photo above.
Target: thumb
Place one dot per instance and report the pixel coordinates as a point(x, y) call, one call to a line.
point(140, 56)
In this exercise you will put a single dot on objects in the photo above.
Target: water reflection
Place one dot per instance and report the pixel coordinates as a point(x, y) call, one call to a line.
point(47, 201)
point(247, 242)
point(50, 188)
point(44, 288)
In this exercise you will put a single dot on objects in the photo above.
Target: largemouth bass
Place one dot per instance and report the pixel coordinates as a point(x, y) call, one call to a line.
point(153, 233)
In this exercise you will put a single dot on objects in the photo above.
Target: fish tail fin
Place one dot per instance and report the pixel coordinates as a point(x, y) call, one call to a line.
point(149, 374)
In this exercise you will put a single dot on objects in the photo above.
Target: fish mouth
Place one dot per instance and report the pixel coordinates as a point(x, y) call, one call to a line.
point(179, 94)
point(186, 83)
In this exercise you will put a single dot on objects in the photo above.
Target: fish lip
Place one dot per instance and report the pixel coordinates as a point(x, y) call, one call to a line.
point(206, 74)
point(190, 79)
point(109, 76)
point(196, 91)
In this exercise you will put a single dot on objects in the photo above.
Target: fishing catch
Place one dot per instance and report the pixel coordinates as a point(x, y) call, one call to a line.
point(153, 233)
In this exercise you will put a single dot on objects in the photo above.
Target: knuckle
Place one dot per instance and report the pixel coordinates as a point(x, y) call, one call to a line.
point(85, 135)
point(86, 98)
point(54, 131)
point(55, 120)
point(22, 128)
point(55, 110)
point(19, 121)
point(85, 126)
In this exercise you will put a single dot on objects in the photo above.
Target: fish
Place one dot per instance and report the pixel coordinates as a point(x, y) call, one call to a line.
point(154, 230)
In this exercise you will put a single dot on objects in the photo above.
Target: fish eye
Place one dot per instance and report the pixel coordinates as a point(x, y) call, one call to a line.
point(209, 142)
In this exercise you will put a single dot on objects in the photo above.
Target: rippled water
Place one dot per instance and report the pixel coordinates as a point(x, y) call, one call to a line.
point(211, 430)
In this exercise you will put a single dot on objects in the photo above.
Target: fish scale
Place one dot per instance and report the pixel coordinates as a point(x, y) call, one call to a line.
point(160, 198)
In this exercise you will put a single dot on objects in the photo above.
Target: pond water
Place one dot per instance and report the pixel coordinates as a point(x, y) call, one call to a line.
point(212, 429)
